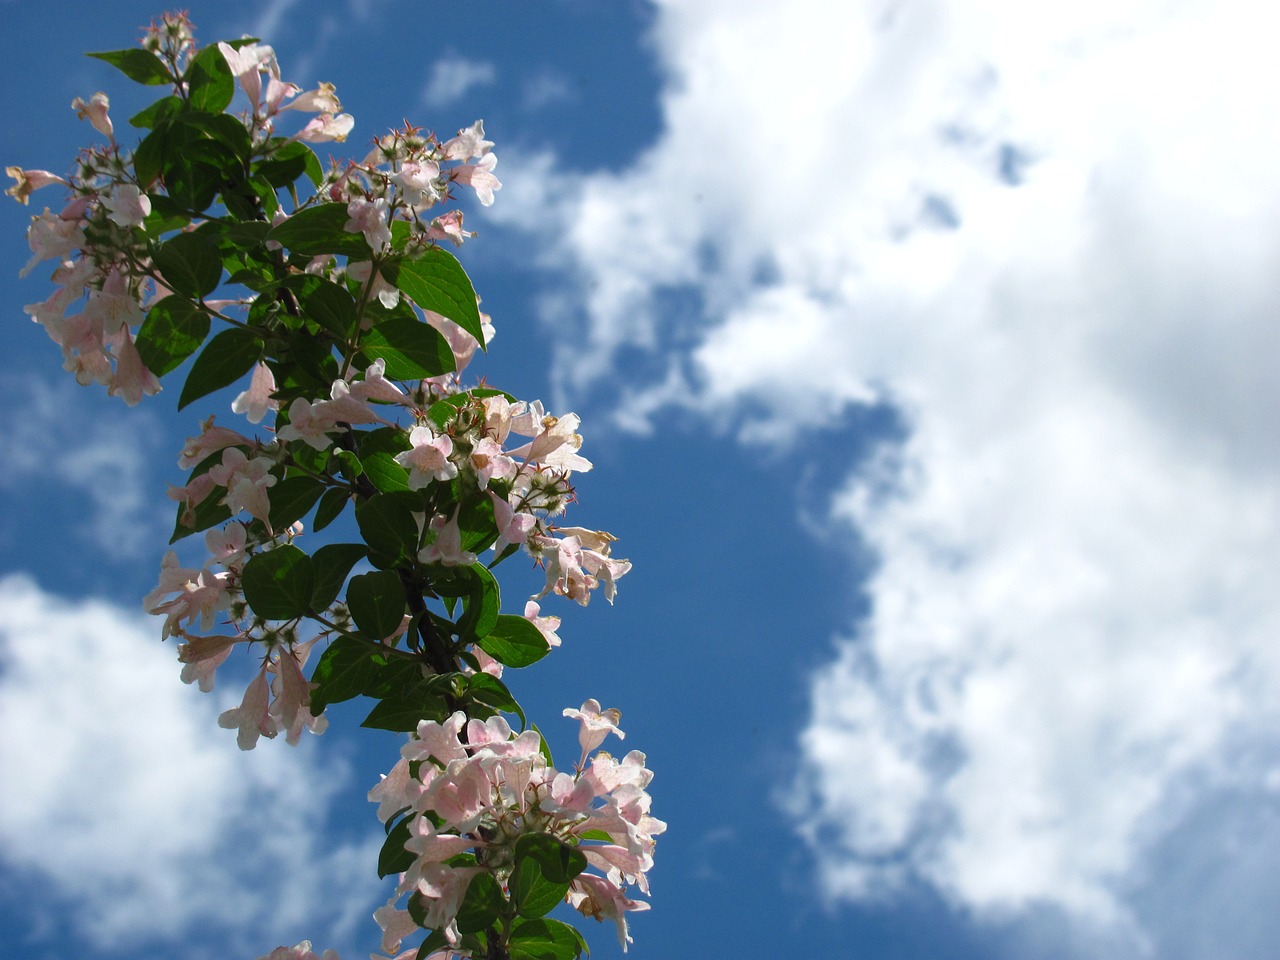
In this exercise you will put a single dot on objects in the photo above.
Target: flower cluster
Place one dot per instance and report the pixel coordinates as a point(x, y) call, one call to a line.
point(475, 791)
point(354, 323)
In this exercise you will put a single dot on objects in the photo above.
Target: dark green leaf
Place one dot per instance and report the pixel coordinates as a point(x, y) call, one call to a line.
point(482, 603)
point(209, 512)
point(434, 942)
point(210, 85)
point(330, 306)
point(332, 563)
point(388, 527)
point(560, 862)
point(394, 858)
point(492, 692)
point(544, 939)
point(436, 281)
point(533, 893)
point(137, 64)
point(331, 506)
point(319, 229)
point(278, 584)
point(288, 162)
point(388, 440)
point(190, 264)
point(477, 525)
point(291, 499)
point(413, 350)
point(401, 712)
point(515, 641)
point(483, 904)
point(163, 109)
point(173, 330)
point(384, 473)
point(376, 601)
point(198, 172)
point(226, 358)
point(342, 673)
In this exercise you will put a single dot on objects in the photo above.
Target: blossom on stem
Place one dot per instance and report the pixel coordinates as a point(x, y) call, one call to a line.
point(326, 127)
point(126, 205)
point(428, 459)
point(29, 181)
point(479, 176)
point(256, 401)
point(95, 111)
point(370, 218)
point(252, 718)
point(246, 481)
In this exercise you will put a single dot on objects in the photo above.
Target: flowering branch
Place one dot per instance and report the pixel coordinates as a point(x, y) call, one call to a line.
point(354, 326)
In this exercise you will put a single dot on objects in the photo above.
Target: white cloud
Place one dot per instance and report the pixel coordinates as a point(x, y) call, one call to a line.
point(122, 792)
point(453, 77)
point(103, 461)
point(1046, 235)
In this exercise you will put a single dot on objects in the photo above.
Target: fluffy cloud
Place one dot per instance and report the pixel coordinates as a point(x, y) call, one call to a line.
point(1047, 238)
point(124, 796)
point(453, 77)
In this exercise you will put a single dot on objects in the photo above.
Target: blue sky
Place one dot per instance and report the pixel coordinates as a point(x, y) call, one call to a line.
point(926, 355)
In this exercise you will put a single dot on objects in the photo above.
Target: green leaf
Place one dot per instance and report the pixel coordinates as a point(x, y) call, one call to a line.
point(476, 523)
point(388, 527)
point(515, 642)
point(332, 563)
point(376, 601)
point(330, 306)
point(290, 160)
point(492, 692)
point(543, 939)
point(436, 941)
point(533, 893)
point(278, 584)
point(190, 265)
point(436, 281)
point(342, 673)
point(162, 109)
point(332, 504)
point(388, 440)
point(483, 904)
point(560, 862)
point(402, 711)
point(291, 499)
point(209, 512)
point(226, 358)
point(137, 64)
point(319, 229)
point(482, 603)
point(210, 86)
point(394, 858)
point(173, 330)
point(413, 350)
point(384, 473)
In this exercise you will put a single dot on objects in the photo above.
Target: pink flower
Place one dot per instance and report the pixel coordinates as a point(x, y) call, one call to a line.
point(309, 423)
point(301, 951)
point(246, 482)
point(547, 626)
point(596, 724)
point(127, 206)
point(247, 63)
point(210, 441)
point(256, 401)
point(251, 719)
point(51, 236)
point(446, 548)
point(323, 99)
point(597, 897)
point(479, 176)
point(376, 386)
point(489, 460)
point(95, 111)
point(512, 527)
point(419, 183)
point(468, 144)
point(131, 380)
point(327, 127)
point(29, 181)
point(448, 227)
point(201, 657)
point(370, 218)
point(429, 458)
